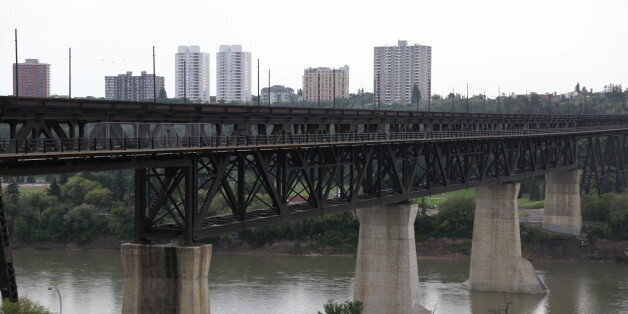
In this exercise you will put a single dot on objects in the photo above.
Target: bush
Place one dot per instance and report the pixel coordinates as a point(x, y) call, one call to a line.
point(348, 307)
point(22, 306)
point(83, 223)
point(121, 222)
point(456, 216)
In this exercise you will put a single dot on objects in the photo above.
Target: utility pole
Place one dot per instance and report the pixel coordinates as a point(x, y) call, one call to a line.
point(185, 78)
point(467, 97)
point(258, 95)
point(269, 87)
point(70, 72)
point(379, 99)
point(318, 97)
point(499, 100)
point(334, 82)
point(154, 78)
point(17, 87)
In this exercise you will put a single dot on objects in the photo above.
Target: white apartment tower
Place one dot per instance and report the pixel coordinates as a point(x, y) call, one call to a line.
point(233, 74)
point(189, 60)
point(398, 69)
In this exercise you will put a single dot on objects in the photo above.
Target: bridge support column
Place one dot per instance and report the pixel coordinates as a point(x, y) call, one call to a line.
point(165, 278)
point(386, 271)
point(496, 261)
point(562, 202)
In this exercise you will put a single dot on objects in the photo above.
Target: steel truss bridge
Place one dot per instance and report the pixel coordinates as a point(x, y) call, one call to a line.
point(271, 165)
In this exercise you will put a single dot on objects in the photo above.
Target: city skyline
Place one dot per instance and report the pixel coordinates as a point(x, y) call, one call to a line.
point(526, 52)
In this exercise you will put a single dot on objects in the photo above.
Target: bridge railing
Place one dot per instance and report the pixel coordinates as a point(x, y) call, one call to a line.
point(41, 145)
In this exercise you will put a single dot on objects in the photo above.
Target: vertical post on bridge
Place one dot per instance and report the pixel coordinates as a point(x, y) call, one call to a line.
point(8, 286)
point(140, 204)
point(191, 188)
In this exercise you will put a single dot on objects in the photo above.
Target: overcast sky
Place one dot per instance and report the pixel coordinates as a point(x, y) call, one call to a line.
point(534, 45)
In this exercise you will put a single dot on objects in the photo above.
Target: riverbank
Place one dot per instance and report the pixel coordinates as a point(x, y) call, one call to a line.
point(547, 246)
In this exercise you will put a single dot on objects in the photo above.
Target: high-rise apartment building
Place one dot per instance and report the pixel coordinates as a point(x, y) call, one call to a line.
point(33, 79)
point(194, 64)
point(319, 82)
point(233, 74)
point(278, 93)
point(135, 88)
point(397, 69)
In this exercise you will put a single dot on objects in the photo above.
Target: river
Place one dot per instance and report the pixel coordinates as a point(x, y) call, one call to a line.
point(91, 282)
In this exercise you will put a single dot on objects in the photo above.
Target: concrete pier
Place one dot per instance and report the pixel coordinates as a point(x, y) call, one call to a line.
point(562, 202)
point(166, 278)
point(386, 271)
point(496, 261)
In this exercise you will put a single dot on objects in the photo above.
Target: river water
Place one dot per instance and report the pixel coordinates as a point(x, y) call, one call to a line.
point(91, 282)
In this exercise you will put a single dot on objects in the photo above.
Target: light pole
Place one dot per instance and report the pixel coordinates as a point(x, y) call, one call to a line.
point(60, 303)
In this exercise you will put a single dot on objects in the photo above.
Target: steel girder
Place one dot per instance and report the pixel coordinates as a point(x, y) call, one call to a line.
point(242, 189)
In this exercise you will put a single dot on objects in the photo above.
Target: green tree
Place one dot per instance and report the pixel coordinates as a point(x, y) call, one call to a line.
point(162, 94)
point(119, 188)
point(121, 221)
point(101, 198)
point(348, 307)
point(82, 223)
point(38, 202)
point(577, 89)
point(416, 94)
point(63, 178)
point(54, 189)
point(22, 306)
point(13, 191)
point(76, 188)
point(456, 216)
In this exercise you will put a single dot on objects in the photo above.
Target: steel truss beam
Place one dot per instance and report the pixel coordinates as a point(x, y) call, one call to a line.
point(244, 189)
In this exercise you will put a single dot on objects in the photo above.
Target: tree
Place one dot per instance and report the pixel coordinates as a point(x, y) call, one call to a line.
point(82, 223)
point(162, 94)
point(13, 191)
point(577, 89)
point(416, 94)
point(54, 189)
point(119, 187)
point(121, 222)
point(76, 188)
point(101, 198)
point(63, 178)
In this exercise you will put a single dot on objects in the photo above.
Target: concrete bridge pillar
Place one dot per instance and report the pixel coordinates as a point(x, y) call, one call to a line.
point(166, 278)
point(386, 271)
point(496, 261)
point(562, 202)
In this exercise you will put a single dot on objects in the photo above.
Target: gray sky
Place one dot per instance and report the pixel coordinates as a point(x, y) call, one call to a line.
point(534, 45)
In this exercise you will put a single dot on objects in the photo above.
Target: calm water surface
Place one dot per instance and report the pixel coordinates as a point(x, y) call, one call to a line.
point(91, 282)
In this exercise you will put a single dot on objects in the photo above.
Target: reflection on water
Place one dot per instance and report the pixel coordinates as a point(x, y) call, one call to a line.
point(91, 282)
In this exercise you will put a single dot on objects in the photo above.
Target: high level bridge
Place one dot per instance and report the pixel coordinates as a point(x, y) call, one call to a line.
point(273, 165)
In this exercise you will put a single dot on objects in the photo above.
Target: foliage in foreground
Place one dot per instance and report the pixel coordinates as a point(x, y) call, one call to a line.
point(610, 211)
point(22, 306)
point(347, 307)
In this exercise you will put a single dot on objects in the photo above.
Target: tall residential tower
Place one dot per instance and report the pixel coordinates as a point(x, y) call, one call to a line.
point(33, 79)
point(233, 74)
point(397, 69)
point(196, 73)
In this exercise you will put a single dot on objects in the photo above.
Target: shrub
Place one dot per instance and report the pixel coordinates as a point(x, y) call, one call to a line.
point(456, 216)
point(82, 223)
point(348, 307)
point(22, 306)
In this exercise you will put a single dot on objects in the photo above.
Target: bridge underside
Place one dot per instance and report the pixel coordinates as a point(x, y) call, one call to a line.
point(265, 187)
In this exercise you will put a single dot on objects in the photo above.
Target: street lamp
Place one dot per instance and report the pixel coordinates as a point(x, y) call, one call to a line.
point(60, 303)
